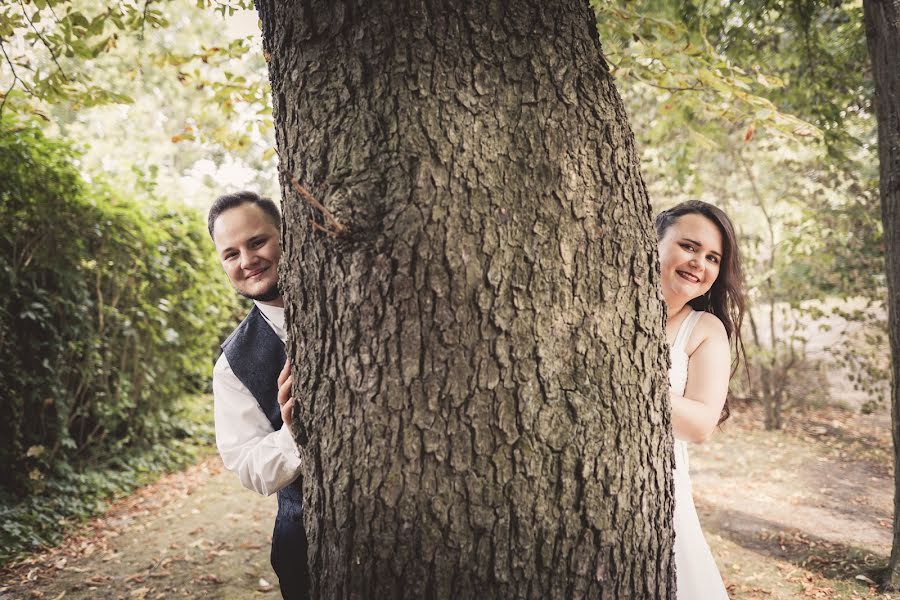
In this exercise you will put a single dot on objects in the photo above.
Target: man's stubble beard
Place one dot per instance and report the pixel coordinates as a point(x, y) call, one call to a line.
point(267, 296)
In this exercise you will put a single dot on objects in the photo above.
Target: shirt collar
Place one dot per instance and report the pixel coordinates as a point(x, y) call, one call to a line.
point(274, 315)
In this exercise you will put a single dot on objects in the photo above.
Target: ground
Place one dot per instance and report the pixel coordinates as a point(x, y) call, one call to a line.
point(195, 534)
point(804, 513)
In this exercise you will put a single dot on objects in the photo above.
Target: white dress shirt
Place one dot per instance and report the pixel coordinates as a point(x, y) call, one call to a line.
point(264, 460)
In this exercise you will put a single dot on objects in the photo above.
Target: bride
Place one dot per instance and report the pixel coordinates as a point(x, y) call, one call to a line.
point(701, 284)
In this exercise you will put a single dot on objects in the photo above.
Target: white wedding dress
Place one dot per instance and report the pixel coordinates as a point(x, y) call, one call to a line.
point(695, 569)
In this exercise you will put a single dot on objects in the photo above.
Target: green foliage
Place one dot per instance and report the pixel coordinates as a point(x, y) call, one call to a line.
point(111, 312)
point(787, 376)
point(70, 496)
point(763, 108)
point(49, 46)
point(77, 55)
point(864, 352)
point(817, 47)
point(66, 33)
point(691, 82)
point(225, 7)
point(200, 120)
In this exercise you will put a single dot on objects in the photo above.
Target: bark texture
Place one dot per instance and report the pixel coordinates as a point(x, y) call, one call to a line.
point(883, 35)
point(479, 351)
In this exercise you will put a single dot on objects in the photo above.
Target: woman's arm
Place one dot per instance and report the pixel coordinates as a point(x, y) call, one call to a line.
point(696, 414)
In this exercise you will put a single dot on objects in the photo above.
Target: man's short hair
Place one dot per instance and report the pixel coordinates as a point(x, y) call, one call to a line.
point(229, 201)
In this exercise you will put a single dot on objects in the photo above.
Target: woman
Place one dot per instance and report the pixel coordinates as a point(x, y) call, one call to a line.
point(701, 284)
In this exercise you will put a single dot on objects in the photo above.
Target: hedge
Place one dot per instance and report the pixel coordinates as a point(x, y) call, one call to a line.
point(110, 313)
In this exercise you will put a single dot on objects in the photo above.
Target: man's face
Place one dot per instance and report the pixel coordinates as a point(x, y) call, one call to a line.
point(248, 246)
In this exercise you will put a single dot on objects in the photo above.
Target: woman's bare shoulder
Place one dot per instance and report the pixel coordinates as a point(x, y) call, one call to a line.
point(708, 330)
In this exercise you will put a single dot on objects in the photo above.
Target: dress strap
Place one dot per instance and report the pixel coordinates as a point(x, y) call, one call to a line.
point(685, 329)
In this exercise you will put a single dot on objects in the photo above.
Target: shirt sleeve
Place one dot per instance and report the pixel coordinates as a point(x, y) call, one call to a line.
point(264, 460)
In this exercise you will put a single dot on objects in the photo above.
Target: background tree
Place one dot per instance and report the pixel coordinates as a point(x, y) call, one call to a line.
point(478, 333)
point(883, 33)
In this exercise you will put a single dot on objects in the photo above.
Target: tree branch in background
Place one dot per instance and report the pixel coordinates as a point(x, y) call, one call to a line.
point(41, 37)
point(15, 77)
point(144, 18)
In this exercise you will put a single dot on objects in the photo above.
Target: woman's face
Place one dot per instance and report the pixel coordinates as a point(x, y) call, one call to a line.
point(690, 254)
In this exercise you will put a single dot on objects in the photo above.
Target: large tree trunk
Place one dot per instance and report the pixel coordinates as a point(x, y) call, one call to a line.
point(478, 340)
point(883, 34)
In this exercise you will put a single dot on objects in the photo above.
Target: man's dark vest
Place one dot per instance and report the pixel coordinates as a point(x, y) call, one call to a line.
point(256, 355)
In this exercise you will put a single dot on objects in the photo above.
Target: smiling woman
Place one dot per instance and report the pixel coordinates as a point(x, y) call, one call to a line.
point(689, 257)
point(700, 279)
point(724, 297)
point(700, 271)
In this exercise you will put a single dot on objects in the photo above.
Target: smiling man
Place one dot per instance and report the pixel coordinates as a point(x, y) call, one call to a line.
point(250, 387)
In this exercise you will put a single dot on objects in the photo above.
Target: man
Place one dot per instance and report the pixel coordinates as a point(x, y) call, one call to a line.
point(252, 407)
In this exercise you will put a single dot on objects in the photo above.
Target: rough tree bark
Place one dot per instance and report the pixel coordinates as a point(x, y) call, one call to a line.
point(883, 34)
point(478, 340)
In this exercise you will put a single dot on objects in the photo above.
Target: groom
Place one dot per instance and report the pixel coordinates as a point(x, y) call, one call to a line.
point(252, 409)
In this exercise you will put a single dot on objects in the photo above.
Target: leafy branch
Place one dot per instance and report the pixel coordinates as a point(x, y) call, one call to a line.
point(40, 36)
point(15, 77)
point(667, 55)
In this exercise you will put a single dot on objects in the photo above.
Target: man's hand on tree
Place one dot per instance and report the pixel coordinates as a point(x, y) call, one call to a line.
point(285, 381)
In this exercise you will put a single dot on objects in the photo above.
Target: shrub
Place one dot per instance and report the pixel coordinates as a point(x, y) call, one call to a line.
point(111, 312)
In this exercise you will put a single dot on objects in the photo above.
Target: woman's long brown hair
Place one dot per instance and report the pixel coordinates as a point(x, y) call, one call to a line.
point(725, 298)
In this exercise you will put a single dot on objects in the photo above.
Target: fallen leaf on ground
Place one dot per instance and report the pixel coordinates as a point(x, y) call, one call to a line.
point(77, 570)
point(249, 546)
point(161, 574)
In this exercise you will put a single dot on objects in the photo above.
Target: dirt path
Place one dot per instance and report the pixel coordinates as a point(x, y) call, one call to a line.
point(799, 514)
point(195, 534)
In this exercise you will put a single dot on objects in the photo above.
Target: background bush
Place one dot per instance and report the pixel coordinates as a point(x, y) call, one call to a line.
point(110, 313)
